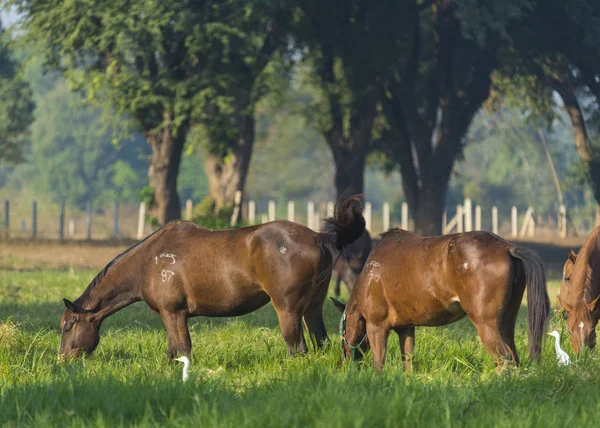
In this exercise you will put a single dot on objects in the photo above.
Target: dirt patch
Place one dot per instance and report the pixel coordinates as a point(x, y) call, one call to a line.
point(30, 255)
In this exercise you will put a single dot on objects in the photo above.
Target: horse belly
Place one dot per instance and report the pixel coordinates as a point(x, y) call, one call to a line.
point(240, 301)
point(446, 315)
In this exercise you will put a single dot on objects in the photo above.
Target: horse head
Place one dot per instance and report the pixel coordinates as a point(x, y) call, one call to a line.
point(353, 330)
point(80, 331)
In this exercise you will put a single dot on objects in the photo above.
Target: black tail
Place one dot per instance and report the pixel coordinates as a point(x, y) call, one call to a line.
point(538, 303)
point(346, 225)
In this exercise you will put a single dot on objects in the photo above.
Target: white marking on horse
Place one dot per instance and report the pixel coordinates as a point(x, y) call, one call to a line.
point(166, 275)
point(465, 265)
point(168, 256)
point(373, 271)
point(581, 326)
point(282, 250)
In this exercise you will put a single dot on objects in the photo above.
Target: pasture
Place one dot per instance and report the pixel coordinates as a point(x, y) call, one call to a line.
point(241, 373)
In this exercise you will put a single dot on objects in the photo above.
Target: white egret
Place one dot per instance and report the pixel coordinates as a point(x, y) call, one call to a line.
point(186, 367)
point(561, 356)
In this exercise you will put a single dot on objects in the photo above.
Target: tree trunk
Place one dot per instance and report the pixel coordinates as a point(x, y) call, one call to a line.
point(429, 210)
point(167, 148)
point(349, 171)
point(580, 134)
point(227, 174)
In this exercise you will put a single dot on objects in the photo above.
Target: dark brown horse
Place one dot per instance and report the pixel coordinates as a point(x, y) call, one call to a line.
point(410, 281)
point(349, 266)
point(579, 295)
point(184, 270)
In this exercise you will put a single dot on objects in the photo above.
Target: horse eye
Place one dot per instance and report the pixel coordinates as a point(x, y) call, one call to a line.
point(69, 324)
point(567, 277)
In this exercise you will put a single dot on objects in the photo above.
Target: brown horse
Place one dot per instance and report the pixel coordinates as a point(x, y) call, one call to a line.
point(410, 281)
point(579, 295)
point(351, 264)
point(184, 270)
point(565, 286)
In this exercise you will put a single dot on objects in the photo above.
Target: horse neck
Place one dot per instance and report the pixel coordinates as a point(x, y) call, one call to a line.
point(586, 283)
point(117, 286)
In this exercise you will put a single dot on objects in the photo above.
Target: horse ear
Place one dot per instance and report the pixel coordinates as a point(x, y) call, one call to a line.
point(339, 305)
point(72, 307)
point(564, 304)
point(594, 306)
point(572, 256)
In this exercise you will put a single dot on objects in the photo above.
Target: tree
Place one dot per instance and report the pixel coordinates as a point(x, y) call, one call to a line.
point(162, 64)
point(350, 48)
point(558, 50)
point(16, 105)
point(430, 102)
point(74, 155)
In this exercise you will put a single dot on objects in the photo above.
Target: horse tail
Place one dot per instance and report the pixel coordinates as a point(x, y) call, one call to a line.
point(346, 225)
point(538, 303)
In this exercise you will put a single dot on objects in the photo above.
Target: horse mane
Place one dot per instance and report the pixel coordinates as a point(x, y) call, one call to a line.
point(390, 232)
point(98, 279)
point(581, 279)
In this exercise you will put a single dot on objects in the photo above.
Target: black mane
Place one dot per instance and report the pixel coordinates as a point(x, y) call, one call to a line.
point(84, 297)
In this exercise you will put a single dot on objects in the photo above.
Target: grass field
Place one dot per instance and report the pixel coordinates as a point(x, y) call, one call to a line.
point(241, 374)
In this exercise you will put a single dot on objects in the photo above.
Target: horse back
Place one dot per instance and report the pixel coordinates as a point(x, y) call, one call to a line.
point(432, 280)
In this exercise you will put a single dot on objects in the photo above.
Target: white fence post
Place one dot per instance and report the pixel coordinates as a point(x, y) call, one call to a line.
point(367, 214)
point(330, 209)
point(386, 216)
point(141, 221)
point(444, 221)
point(468, 215)
point(525, 225)
point(310, 214)
point(459, 219)
point(237, 201)
point(404, 218)
point(251, 212)
point(291, 211)
point(513, 222)
point(477, 217)
point(188, 209)
point(562, 213)
point(495, 219)
point(531, 227)
point(271, 211)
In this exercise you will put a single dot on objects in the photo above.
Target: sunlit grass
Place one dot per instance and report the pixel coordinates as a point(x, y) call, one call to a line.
point(241, 374)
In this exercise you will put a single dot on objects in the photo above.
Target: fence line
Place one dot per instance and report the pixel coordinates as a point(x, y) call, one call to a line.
point(376, 221)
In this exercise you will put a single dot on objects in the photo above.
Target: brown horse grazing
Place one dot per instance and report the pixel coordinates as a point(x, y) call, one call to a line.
point(351, 264)
point(184, 270)
point(565, 286)
point(410, 281)
point(579, 295)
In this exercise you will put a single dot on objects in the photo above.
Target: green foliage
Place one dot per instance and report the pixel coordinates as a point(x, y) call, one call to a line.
point(204, 214)
point(16, 105)
point(73, 152)
point(504, 164)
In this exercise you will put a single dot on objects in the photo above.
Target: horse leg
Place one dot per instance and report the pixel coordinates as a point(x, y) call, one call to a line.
point(338, 281)
point(178, 334)
point(378, 336)
point(313, 315)
point(291, 328)
point(406, 336)
point(494, 343)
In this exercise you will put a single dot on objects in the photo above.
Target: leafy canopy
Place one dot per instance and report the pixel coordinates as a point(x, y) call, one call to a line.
point(16, 105)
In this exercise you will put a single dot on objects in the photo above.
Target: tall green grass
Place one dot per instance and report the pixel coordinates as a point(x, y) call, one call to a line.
point(241, 374)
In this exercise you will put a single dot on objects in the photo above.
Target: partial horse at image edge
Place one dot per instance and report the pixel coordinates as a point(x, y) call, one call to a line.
point(579, 294)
